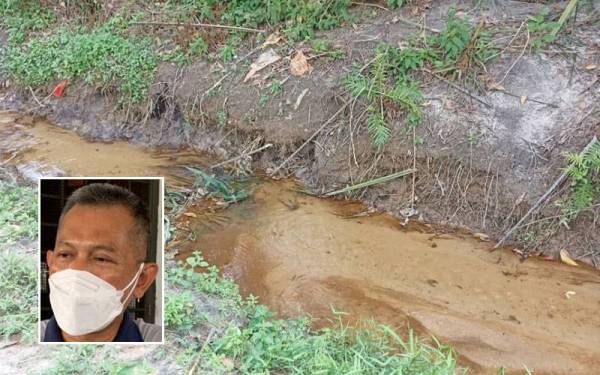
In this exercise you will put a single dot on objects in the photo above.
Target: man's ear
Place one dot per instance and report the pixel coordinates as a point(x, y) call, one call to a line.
point(49, 258)
point(146, 279)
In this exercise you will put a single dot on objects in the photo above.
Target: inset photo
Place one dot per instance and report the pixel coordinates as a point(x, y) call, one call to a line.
point(101, 260)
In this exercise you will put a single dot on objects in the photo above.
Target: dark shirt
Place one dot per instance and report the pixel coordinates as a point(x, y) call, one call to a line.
point(128, 331)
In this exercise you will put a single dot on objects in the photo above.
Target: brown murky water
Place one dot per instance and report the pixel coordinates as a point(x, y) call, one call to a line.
point(39, 148)
point(303, 254)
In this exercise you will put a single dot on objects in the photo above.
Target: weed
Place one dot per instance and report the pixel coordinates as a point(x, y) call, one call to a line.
point(300, 19)
point(18, 214)
point(541, 29)
point(276, 87)
point(227, 53)
point(18, 300)
point(288, 346)
point(180, 311)
point(263, 100)
point(394, 3)
point(461, 48)
point(195, 49)
point(221, 118)
point(454, 38)
point(207, 282)
point(584, 171)
point(225, 189)
point(22, 17)
point(102, 56)
point(322, 47)
point(93, 359)
point(473, 137)
point(387, 88)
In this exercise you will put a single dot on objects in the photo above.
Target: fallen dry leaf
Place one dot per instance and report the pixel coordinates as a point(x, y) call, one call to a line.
point(190, 214)
point(566, 258)
point(299, 65)
point(272, 39)
point(591, 67)
point(265, 59)
point(481, 237)
point(523, 99)
point(496, 86)
point(569, 294)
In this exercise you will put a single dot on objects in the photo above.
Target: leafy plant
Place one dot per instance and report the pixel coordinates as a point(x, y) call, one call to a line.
point(541, 29)
point(102, 56)
point(195, 49)
point(454, 38)
point(322, 47)
point(180, 311)
point(22, 17)
point(387, 87)
point(394, 3)
point(227, 53)
point(584, 171)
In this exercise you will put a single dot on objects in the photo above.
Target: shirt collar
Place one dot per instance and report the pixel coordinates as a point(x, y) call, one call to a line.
point(128, 331)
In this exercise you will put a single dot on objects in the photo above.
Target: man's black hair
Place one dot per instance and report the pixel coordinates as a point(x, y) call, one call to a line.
point(103, 194)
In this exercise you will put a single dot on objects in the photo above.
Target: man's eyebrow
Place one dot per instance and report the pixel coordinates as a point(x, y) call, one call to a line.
point(90, 246)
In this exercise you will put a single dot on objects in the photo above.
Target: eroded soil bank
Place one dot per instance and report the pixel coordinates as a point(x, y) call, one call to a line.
point(301, 254)
point(482, 164)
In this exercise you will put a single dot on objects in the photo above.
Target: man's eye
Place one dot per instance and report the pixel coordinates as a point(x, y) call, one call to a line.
point(64, 255)
point(100, 259)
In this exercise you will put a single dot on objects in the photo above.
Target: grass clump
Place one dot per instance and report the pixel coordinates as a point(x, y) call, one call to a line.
point(103, 56)
point(18, 300)
point(18, 214)
point(267, 344)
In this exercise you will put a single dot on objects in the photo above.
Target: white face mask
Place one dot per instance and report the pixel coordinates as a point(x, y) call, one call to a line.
point(84, 303)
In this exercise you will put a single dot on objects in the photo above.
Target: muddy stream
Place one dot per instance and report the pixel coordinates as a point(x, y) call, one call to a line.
point(304, 255)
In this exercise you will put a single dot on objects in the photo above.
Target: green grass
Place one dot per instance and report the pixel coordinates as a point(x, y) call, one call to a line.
point(18, 280)
point(18, 214)
point(299, 19)
point(18, 300)
point(93, 360)
point(104, 56)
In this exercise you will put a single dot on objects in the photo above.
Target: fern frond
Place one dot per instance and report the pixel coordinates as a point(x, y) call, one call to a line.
point(378, 128)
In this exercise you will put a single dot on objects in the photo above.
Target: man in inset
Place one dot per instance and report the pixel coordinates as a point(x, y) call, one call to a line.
point(97, 267)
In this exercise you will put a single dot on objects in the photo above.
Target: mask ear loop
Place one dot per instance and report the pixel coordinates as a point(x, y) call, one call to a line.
point(134, 281)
